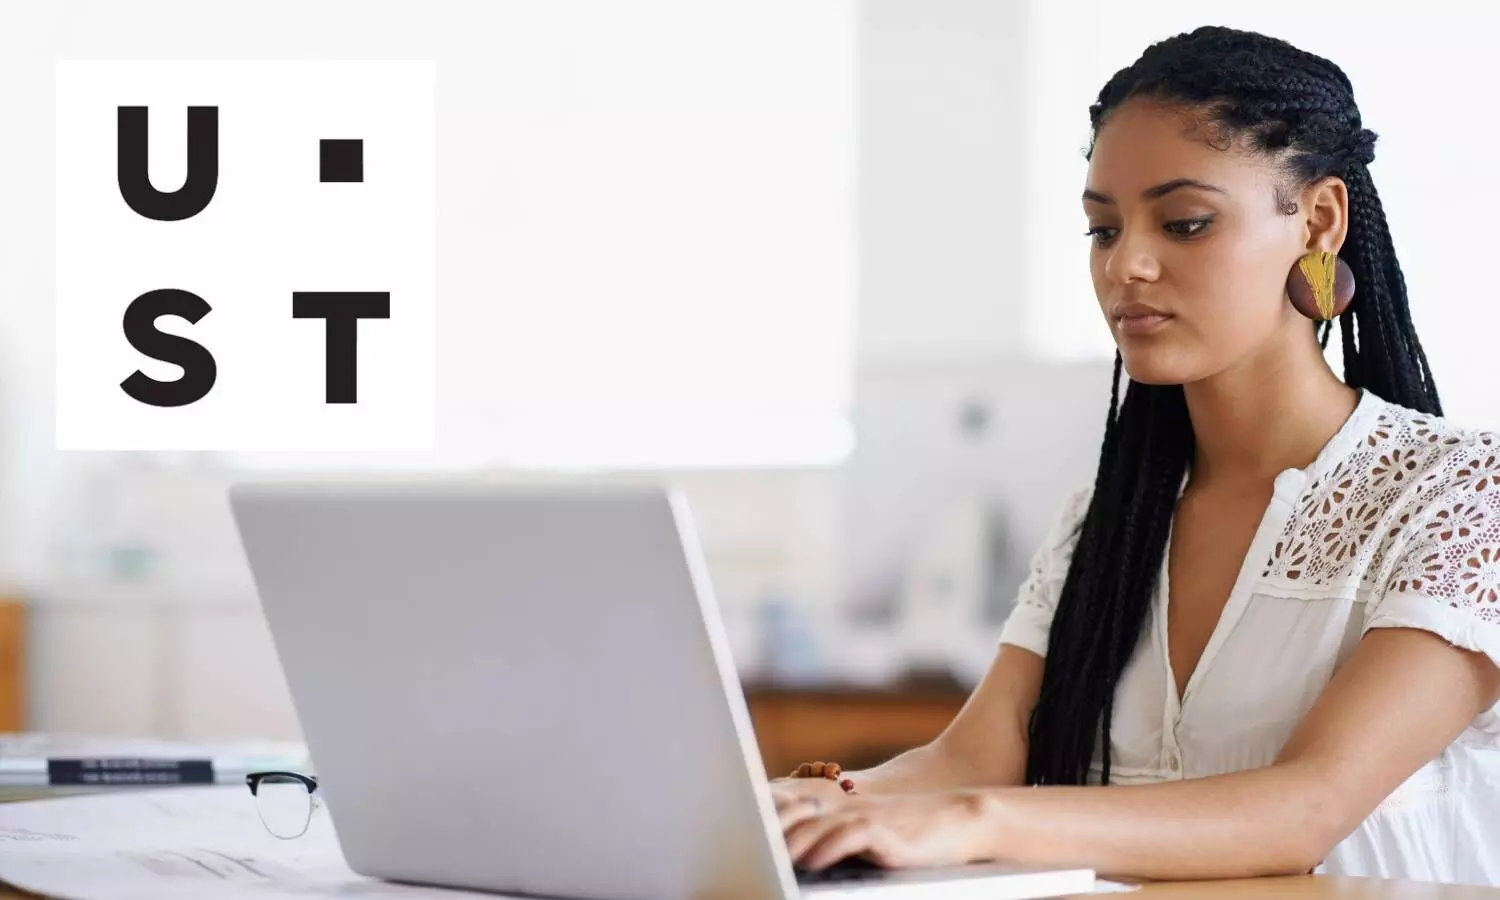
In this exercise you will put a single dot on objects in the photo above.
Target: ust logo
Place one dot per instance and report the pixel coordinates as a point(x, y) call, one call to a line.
point(245, 255)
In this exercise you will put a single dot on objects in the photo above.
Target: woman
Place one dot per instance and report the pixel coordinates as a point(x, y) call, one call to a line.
point(1278, 605)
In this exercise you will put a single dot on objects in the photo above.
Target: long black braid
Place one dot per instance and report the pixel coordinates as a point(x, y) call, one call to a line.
point(1299, 108)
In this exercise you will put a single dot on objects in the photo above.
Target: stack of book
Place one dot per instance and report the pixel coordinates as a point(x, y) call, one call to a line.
point(36, 765)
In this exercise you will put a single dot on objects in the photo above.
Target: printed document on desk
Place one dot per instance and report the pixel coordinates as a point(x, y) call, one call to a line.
point(177, 844)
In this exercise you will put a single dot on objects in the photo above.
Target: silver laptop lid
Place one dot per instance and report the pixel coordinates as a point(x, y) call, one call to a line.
point(515, 689)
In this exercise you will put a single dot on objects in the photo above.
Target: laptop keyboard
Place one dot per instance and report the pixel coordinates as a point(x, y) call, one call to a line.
point(852, 868)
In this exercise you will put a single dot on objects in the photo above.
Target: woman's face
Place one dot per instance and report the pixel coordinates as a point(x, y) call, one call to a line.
point(1189, 252)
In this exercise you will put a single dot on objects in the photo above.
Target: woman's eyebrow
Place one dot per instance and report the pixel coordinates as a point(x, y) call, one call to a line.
point(1155, 192)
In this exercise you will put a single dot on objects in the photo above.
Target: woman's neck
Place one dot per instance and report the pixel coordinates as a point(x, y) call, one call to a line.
point(1259, 419)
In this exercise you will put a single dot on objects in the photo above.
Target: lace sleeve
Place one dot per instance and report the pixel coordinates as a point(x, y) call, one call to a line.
point(1030, 621)
point(1446, 575)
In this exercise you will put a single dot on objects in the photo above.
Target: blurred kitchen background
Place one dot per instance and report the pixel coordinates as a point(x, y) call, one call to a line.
point(819, 261)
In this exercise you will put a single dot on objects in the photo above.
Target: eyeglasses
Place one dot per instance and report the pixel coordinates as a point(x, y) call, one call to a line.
point(285, 801)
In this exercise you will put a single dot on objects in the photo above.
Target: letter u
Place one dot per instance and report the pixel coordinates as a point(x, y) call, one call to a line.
point(202, 165)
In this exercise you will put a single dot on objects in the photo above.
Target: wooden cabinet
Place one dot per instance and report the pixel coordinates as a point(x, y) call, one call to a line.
point(12, 666)
point(856, 726)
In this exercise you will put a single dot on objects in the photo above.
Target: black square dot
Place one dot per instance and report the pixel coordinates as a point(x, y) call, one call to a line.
point(341, 159)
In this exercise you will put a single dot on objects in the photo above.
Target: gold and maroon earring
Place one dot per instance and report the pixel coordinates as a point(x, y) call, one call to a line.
point(1320, 285)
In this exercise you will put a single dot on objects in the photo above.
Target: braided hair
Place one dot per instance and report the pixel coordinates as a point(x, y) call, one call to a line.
point(1298, 108)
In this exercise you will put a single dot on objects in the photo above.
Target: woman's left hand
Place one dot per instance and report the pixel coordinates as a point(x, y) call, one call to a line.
point(893, 830)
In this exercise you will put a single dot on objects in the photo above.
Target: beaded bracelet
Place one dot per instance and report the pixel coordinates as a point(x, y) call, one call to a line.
point(829, 770)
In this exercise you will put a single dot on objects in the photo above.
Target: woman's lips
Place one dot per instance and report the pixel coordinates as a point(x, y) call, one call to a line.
point(1137, 323)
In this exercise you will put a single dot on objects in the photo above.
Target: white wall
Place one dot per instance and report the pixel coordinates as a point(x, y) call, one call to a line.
point(941, 181)
point(28, 465)
point(944, 323)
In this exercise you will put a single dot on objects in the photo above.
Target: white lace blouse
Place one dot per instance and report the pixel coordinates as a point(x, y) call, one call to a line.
point(1395, 524)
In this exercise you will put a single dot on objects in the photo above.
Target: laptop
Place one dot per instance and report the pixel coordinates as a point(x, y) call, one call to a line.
point(528, 690)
